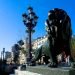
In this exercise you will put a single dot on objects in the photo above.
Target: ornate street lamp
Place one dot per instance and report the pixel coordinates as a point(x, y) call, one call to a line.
point(30, 20)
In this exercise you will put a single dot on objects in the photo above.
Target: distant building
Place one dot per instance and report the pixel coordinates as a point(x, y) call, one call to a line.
point(8, 57)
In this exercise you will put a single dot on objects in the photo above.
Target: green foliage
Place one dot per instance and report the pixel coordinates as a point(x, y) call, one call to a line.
point(73, 43)
point(23, 50)
point(42, 50)
point(15, 50)
point(73, 47)
point(45, 50)
point(38, 53)
point(20, 42)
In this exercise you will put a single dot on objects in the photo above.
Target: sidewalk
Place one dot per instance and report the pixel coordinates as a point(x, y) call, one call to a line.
point(18, 72)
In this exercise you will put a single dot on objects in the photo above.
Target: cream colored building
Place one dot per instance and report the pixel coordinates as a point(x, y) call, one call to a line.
point(39, 42)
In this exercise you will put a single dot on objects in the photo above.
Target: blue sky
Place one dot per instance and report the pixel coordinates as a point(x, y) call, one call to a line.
point(12, 28)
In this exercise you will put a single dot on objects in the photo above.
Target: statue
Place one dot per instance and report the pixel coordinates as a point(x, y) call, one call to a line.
point(58, 26)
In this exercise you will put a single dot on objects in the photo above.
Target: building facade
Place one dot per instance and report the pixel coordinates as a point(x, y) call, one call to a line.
point(8, 57)
point(39, 42)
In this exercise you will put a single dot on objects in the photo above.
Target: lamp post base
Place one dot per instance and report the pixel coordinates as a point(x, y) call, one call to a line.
point(31, 62)
point(28, 60)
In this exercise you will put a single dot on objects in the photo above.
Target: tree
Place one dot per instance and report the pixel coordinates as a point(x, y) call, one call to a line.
point(21, 43)
point(73, 47)
point(15, 50)
point(23, 50)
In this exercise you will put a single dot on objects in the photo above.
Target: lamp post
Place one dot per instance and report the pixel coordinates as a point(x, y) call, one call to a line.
point(30, 21)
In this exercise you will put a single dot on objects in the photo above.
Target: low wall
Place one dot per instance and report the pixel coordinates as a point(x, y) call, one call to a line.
point(44, 70)
point(18, 72)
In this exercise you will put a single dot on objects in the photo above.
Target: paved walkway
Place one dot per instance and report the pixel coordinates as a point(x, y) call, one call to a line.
point(18, 72)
